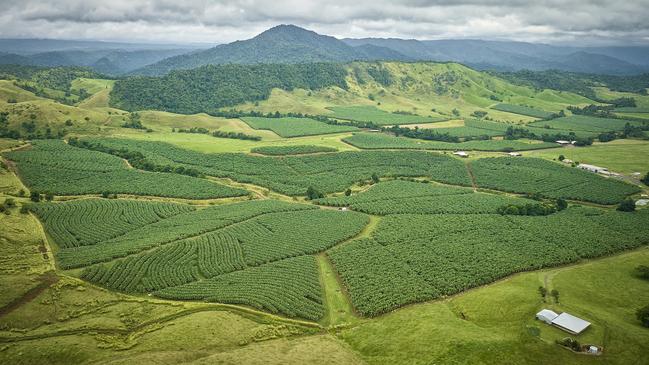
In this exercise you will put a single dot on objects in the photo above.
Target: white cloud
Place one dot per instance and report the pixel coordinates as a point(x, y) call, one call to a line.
point(224, 21)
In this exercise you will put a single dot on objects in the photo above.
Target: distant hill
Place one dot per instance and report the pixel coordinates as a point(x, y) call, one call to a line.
point(109, 58)
point(281, 44)
point(289, 44)
point(512, 56)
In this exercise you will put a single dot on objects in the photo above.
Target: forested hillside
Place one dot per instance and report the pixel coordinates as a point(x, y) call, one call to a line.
point(211, 87)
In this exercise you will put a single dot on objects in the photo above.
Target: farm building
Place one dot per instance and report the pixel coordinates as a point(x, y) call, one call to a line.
point(570, 323)
point(515, 154)
point(565, 143)
point(567, 161)
point(565, 321)
point(546, 316)
point(461, 154)
point(642, 202)
point(593, 168)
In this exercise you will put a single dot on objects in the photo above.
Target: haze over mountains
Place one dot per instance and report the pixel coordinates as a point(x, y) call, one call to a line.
point(292, 44)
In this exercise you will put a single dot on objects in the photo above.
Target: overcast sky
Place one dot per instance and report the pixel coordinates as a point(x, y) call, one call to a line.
point(180, 21)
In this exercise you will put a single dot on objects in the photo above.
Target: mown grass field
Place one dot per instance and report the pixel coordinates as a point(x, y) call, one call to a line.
point(623, 156)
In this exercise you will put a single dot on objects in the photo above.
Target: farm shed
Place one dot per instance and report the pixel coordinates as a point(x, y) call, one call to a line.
point(461, 154)
point(570, 323)
point(546, 316)
point(593, 168)
point(565, 143)
point(515, 154)
point(642, 202)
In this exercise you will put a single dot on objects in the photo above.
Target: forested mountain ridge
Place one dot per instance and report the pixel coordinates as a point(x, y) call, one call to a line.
point(280, 44)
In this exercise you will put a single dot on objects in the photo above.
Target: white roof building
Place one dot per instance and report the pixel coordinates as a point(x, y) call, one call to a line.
point(546, 316)
point(565, 142)
point(593, 168)
point(515, 154)
point(642, 202)
point(461, 154)
point(570, 323)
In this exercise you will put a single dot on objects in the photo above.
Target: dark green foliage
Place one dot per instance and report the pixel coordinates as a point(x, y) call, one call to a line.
point(35, 196)
point(57, 78)
point(292, 175)
point(415, 257)
point(548, 179)
point(570, 343)
point(555, 294)
point(368, 113)
point(372, 141)
point(291, 150)
point(643, 316)
point(208, 88)
point(63, 169)
point(255, 253)
point(89, 221)
point(543, 292)
point(645, 179)
point(312, 193)
point(133, 122)
point(295, 127)
point(219, 134)
point(643, 271)
point(626, 205)
point(380, 74)
point(577, 83)
point(411, 197)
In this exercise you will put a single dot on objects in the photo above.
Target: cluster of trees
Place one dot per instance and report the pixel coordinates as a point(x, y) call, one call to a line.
point(425, 134)
point(134, 122)
point(136, 159)
point(211, 87)
point(220, 134)
point(519, 132)
point(534, 209)
point(29, 130)
point(577, 83)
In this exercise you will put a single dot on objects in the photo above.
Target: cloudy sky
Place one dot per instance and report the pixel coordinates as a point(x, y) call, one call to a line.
point(216, 21)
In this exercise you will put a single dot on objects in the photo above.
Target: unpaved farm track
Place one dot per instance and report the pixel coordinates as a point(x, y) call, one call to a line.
point(46, 280)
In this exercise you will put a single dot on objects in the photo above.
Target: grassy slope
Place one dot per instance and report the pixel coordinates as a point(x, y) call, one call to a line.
point(499, 326)
point(412, 91)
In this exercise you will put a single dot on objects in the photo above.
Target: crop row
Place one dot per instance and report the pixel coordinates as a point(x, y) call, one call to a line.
point(295, 127)
point(293, 175)
point(383, 141)
point(291, 150)
point(401, 197)
point(53, 166)
point(89, 221)
point(553, 180)
point(413, 258)
point(172, 229)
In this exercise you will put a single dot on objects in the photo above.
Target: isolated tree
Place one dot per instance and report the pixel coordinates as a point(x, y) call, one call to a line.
point(543, 292)
point(562, 204)
point(35, 196)
point(562, 157)
point(645, 179)
point(105, 194)
point(49, 197)
point(312, 193)
point(555, 295)
point(10, 203)
point(375, 178)
point(643, 271)
point(643, 316)
point(627, 205)
point(348, 192)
